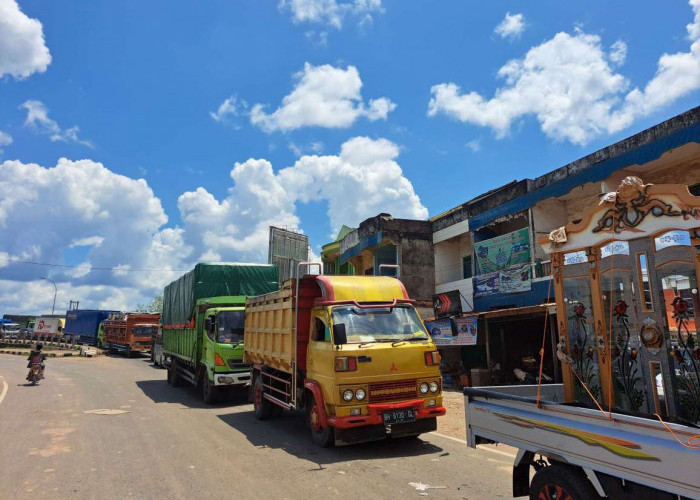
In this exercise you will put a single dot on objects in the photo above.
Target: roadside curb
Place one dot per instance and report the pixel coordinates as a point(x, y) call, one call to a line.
point(48, 355)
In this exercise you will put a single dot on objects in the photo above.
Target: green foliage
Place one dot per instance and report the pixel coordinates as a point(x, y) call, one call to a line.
point(154, 306)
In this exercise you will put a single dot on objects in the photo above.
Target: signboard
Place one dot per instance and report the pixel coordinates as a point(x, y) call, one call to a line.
point(575, 258)
point(615, 248)
point(47, 326)
point(466, 331)
point(447, 304)
point(514, 279)
point(672, 239)
point(286, 250)
point(503, 251)
point(440, 331)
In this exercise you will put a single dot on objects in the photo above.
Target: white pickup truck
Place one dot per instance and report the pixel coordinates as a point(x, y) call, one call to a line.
point(580, 453)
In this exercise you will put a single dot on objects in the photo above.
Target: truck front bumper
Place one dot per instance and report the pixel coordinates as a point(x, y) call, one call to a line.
point(376, 411)
point(231, 379)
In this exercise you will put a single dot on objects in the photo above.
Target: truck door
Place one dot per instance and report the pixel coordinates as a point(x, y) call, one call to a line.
point(320, 357)
point(209, 347)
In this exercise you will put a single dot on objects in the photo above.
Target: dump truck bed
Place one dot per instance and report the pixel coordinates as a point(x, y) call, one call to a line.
point(632, 448)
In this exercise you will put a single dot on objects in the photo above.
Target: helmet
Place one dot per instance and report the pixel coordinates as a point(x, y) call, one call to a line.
point(39, 346)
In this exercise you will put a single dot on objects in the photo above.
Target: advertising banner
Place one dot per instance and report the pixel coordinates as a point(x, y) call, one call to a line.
point(503, 251)
point(440, 330)
point(515, 279)
point(466, 331)
point(485, 284)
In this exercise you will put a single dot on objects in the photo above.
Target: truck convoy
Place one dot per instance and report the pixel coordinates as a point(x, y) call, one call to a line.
point(130, 332)
point(202, 324)
point(84, 323)
point(625, 422)
point(350, 350)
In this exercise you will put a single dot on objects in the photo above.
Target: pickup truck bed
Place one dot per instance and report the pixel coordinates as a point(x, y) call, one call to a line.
point(626, 447)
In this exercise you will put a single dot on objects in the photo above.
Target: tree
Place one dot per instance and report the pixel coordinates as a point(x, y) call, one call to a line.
point(154, 306)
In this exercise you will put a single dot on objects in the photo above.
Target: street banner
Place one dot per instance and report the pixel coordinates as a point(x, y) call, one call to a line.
point(485, 284)
point(440, 330)
point(466, 331)
point(447, 304)
point(503, 251)
point(515, 279)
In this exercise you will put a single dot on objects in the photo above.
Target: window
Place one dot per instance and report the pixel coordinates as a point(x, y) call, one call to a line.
point(467, 266)
point(645, 284)
point(321, 333)
point(329, 268)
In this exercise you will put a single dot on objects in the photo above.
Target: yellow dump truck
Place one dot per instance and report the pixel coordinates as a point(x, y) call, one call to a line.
point(350, 350)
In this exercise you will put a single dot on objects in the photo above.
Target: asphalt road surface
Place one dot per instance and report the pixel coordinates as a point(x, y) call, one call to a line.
point(163, 442)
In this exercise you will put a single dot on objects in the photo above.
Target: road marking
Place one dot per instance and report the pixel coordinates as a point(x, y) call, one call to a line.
point(498, 452)
point(4, 390)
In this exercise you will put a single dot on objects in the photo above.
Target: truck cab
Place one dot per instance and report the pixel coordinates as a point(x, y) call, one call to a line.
point(223, 319)
point(9, 329)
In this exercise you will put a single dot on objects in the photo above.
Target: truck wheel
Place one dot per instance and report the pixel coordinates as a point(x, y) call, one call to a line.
point(210, 394)
point(128, 351)
point(261, 406)
point(559, 482)
point(322, 436)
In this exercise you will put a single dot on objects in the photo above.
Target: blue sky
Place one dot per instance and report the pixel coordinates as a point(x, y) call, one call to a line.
point(430, 104)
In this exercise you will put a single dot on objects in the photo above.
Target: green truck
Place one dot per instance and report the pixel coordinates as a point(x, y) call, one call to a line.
point(202, 321)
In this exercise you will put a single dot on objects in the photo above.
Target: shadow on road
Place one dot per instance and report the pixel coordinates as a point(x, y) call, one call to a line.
point(161, 392)
point(289, 433)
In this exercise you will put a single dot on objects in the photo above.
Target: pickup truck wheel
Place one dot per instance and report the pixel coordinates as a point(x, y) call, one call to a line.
point(210, 394)
point(322, 436)
point(558, 482)
point(261, 406)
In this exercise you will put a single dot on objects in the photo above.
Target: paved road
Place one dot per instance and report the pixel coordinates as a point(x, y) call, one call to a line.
point(167, 444)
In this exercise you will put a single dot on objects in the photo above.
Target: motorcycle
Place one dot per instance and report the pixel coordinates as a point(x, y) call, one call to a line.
point(36, 373)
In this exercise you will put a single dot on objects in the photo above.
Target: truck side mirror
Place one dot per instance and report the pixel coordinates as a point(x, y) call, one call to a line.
point(339, 335)
point(207, 325)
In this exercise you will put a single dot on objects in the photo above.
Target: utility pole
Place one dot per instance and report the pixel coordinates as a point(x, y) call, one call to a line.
point(54, 293)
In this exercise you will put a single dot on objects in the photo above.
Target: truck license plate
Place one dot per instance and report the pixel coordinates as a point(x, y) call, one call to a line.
point(399, 416)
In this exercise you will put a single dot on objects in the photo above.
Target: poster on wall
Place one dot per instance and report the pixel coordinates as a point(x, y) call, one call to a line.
point(440, 330)
point(485, 284)
point(503, 251)
point(466, 331)
point(515, 279)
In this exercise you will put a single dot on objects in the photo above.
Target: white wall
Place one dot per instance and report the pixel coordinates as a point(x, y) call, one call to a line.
point(448, 258)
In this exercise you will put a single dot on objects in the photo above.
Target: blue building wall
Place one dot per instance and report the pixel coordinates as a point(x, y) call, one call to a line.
point(538, 295)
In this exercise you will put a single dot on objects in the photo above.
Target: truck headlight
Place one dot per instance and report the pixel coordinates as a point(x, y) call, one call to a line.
point(348, 395)
point(434, 386)
point(424, 388)
point(360, 394)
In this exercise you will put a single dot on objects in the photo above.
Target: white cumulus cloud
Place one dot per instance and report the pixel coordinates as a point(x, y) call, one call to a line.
point(365, 171)
point(5, 139)
point(324, 96)
point(22, 48)
point(512, 26)
point(331, 12)
point(231, 107)
point(568, 84)
point(38, 118)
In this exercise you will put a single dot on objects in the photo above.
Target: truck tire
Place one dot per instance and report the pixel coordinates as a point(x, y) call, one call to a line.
point(261, 406)
point(561, 482)
point(128, 351)
point(210, 393)
point(322, 436)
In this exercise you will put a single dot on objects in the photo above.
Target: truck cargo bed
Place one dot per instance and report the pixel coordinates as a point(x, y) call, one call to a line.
point(628, 447)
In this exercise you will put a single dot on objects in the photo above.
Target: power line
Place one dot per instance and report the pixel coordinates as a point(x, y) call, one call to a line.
point(91, 268)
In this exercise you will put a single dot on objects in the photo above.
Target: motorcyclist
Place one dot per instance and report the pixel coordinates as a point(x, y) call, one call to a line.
point(36, 356)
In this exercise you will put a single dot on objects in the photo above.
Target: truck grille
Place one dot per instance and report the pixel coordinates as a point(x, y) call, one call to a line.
point(392, 391)
point(235, 364)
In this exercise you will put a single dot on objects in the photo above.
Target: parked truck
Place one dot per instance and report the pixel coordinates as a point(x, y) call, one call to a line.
point(9, 328)
point(83, 324)
point(130, 332)
point(23, 320)
point(625, 422)
point(202, 324)
point(351, 351)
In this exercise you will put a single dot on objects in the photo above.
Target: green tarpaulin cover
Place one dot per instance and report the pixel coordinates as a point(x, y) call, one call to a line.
point(214, 280)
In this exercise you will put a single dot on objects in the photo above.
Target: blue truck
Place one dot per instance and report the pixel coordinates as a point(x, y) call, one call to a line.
point(83, 324)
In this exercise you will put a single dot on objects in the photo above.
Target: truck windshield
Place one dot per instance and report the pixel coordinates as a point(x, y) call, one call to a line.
point(384, 324)
point(145, 331)
point(229, 327)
